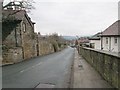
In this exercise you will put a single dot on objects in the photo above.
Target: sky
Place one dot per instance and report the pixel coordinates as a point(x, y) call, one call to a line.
point(73, 17)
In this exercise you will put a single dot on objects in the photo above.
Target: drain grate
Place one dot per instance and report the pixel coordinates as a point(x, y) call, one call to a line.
point(45, 86)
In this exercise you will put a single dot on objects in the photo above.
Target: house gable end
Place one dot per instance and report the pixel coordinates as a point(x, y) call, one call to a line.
point(29, 20)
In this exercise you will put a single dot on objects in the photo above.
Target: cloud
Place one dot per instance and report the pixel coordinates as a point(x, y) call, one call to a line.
point(77, 1)
point(74, 17)
point(71, 18)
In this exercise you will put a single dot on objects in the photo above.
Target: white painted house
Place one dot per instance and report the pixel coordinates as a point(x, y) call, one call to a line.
point(95, 41)
point(110, 38)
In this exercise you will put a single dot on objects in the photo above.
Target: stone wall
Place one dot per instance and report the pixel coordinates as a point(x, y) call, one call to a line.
point(14, 36)
point(11, 43)
point(10, 34)
point(20, 40)
point(45, 47)
point(107, 64)
point(28, 39)
point(12, 55)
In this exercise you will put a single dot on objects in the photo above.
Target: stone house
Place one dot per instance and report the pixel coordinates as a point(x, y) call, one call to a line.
point(18, 39)
point(110, 38)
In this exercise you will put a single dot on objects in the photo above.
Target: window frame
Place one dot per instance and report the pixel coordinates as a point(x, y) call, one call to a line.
point(115, 40)
point(107, 40)
point(24, 27)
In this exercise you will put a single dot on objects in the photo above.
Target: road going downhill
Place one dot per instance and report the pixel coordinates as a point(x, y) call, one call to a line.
point(53, 70)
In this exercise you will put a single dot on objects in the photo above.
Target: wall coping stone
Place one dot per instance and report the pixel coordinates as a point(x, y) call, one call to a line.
point(104, 52)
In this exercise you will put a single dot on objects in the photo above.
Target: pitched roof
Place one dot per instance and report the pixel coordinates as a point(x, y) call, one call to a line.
point(83, 40)
point(113, 30)
point(14, 3)
point(96, 36)
point(17, 14)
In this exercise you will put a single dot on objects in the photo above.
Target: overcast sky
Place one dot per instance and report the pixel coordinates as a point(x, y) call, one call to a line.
point(74, 17)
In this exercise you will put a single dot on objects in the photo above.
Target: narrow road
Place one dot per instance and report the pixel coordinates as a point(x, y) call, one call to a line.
point(50, 71)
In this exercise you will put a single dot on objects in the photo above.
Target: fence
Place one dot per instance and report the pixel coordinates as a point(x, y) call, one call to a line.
point(107, 64)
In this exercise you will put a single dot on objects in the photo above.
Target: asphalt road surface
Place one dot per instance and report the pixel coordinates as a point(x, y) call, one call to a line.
point(47, 71)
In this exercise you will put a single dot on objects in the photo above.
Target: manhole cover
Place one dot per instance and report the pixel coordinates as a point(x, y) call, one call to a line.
point(80, 67)
point(45, 86)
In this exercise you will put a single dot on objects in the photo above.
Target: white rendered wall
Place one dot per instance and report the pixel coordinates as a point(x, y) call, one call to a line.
point(97, 44)
point(111, 46)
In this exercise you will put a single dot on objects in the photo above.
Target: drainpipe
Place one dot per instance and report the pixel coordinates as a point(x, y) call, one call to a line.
point(110, 44)
point(21, 40)
point(37, 45)
point(101, 43)
point(16, 37)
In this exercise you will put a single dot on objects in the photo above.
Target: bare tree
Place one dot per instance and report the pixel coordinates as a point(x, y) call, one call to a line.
point(28, 5)
point(23, 4)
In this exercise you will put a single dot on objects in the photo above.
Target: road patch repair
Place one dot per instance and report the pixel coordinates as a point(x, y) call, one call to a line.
point(85, 76)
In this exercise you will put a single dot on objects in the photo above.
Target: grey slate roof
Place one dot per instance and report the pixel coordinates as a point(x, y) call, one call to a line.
point(96, 36)
point(17, 14)
point(113, 30)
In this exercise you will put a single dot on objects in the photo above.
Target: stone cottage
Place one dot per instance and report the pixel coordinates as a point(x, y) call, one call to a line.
point(19, 41)
point(18, 37)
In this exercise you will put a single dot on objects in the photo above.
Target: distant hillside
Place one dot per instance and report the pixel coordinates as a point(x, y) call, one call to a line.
point(69, 37)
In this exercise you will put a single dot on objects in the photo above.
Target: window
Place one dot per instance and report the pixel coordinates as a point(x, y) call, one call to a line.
point(115, 40)
point(24, 27)
point(106, 40)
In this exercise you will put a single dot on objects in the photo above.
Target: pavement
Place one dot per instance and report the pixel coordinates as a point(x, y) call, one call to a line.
point(85, 76)
point(50, 71)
